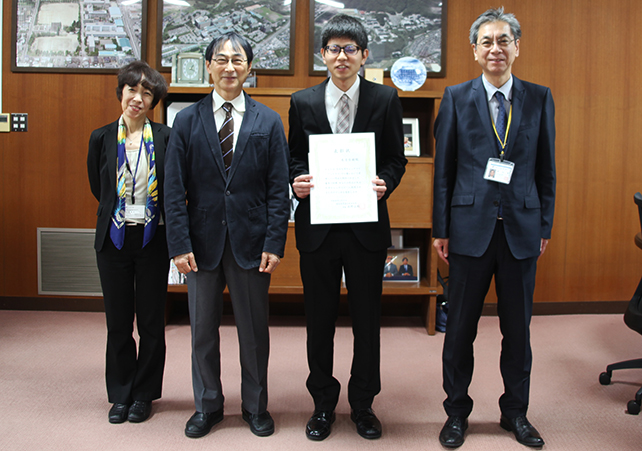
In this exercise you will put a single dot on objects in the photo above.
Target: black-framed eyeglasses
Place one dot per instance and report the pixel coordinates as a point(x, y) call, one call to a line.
point(349, 49)
point(222, 61)
point(502, 43)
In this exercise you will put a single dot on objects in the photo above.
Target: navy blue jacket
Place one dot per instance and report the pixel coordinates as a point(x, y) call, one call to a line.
point(251, 204)
point(466, 205)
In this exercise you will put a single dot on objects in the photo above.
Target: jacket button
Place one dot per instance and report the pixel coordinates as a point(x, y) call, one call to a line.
point(496, 203)
point(224, 222)
point(227, 193)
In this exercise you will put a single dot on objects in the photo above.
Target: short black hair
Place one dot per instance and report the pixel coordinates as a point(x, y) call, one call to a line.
point(344, 26)
point(139, 72)
point(238, 43)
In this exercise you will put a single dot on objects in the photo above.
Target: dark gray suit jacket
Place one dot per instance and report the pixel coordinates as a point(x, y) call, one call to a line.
point(466, 205)
point(251, 204)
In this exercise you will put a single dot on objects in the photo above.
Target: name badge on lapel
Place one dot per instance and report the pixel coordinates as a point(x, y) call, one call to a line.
point(499, 171)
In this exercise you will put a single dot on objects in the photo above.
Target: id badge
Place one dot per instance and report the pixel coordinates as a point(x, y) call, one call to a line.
point(499, 171)
point(135, 212)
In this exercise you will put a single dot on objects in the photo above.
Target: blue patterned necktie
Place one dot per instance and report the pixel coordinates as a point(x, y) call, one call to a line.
point(500, 125)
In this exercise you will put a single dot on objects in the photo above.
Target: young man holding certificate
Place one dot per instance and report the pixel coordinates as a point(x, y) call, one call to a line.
point(343, 104)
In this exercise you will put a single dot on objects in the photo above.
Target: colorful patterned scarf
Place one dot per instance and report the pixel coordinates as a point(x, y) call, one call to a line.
point(117, 230)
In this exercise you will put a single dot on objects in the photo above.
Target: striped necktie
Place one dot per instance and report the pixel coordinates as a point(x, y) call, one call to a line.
point(226, 136)
point(343, 119)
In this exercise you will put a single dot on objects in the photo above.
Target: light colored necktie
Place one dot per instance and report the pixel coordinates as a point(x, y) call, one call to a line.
point(226, 136)
point(343, 120)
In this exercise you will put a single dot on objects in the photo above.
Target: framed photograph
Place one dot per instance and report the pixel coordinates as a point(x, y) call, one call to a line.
point(74, 36)
point(414, 28)
point(402, 265)
point(191, 26)
point(411, 137)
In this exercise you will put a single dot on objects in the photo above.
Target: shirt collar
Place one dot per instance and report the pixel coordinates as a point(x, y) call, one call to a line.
point(238, 102)
point(335, 93)
point(506, 88)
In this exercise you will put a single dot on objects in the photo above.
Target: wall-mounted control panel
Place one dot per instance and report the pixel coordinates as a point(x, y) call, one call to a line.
point(19, 122)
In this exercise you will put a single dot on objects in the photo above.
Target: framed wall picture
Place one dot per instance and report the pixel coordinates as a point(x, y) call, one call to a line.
point(402, 265)
point(411, 137)
point(413, 28)
point(190, 27)
point(74, 36)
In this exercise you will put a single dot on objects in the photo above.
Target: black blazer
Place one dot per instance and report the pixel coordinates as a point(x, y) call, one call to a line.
point(101, 169)
point(379, 111)
point(250, 204)
point(465, 204)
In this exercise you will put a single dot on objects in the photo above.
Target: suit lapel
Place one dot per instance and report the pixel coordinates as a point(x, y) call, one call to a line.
point(481, 102)
point(517, 110)
point(159, 146)
point(206, 113)
point(317, 103)
point(249, 118)
point(367, 100)
point(112, 154)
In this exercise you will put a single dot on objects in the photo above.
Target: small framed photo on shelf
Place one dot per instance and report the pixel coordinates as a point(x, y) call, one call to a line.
point(411, 137)
point(402, 265)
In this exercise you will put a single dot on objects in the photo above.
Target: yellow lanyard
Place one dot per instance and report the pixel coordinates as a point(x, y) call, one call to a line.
point(505, 141)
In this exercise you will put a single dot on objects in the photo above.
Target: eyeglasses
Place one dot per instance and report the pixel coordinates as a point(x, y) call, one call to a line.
point(222, 61)
point(501, 43)
point(349, 49)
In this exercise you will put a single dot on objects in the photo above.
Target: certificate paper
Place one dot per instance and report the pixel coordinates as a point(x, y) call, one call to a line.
point(343, 167)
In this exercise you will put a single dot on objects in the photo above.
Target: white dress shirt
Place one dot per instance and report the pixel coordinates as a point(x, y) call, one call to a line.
point(493, 104)
point(333, 104)
point(238, 110)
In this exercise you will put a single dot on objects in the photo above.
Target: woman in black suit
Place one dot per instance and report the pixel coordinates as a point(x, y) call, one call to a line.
point(125, 168)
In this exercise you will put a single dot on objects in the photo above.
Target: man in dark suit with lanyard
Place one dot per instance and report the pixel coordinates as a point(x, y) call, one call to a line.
point(494, 199)
point(357, 248)
point(226, 198)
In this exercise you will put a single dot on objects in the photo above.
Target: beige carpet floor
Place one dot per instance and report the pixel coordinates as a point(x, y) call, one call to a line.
point(52, 393)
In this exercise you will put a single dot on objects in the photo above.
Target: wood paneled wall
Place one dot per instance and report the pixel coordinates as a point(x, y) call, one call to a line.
point(584, 50)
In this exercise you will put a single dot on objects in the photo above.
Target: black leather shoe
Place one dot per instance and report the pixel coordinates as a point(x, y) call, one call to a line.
point(320, 425)
point(452, 434)
point(201, 423)
point(261, 424)
point(118, 413)
point(139, 411)
point(368, 425)
point(525, 433)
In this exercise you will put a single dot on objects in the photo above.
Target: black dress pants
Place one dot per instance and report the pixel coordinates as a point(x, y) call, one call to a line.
point(468, 285)
point(321, 274)
point(134, 283)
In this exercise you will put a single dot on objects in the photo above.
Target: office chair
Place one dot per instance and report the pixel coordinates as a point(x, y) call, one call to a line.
point(633, 319)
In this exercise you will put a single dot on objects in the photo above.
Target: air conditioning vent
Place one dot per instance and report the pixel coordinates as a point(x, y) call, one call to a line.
point(67, 262)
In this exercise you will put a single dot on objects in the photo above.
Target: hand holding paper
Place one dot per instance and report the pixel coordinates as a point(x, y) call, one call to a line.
point(344, 167)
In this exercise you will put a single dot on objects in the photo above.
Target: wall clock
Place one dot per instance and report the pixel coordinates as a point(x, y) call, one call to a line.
point(188, 69)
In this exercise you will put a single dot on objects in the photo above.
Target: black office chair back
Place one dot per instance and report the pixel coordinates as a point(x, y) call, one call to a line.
point(633, 314)
point(638, 201)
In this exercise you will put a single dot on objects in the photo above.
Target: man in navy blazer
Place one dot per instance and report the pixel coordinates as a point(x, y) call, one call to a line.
point(494, 198)
point(227, 219)
point(357, 248)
